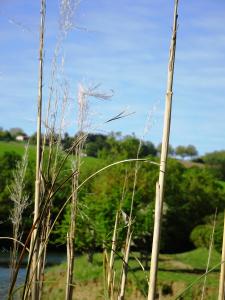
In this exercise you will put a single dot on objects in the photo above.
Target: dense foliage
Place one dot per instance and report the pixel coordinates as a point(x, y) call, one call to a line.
point(216, 160)
point(191, 195)
point(204, 233)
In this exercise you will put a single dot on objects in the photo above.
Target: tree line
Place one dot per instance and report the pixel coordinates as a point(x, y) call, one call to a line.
point(98, 143)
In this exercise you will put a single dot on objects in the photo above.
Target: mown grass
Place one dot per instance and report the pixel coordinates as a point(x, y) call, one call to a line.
point(176, 272)
point(89, 280)
point(183, 269)
point(197, 258)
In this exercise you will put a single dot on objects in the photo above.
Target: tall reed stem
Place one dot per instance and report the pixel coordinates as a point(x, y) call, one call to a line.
point(163, 161)
point(34, 238)
point(74, 199)
point(112, 257)
point(222, 270)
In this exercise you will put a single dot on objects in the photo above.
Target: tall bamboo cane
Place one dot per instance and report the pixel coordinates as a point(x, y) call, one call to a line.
point(222, 270)
point(163, 161)
point(35, 239)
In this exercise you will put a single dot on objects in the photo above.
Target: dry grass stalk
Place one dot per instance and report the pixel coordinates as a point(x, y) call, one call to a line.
point(105, 269)
point(53, 135)
point(128, 239)
point(209, 255)
point(71, 233)
point(163, 159)
point(110, 269)
point(54, 155)
point(82, 120)
point(83, 95)
point(20, 200)
point(129, 225)
point(121, 294)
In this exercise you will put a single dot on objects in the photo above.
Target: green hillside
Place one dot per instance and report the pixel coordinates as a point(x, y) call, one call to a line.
point(17, 147)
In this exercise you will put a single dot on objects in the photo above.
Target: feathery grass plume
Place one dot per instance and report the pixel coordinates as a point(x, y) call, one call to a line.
point(66, 14)
point(83, 95)
point(58, 91)
point(58, 83)
point(20, 200)
point(67, 9)
point(163, 161)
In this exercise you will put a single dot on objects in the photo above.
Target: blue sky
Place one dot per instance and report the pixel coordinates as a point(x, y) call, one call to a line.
point(124, 46)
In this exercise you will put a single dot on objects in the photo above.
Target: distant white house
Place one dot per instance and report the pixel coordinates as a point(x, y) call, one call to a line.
point(21, 137)
point(83, 154)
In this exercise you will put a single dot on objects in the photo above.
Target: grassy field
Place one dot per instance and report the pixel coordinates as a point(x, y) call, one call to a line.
point(17, 147)
point(176, 273)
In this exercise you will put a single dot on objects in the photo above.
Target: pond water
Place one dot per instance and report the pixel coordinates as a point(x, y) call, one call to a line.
point(5, 278)
point(53, 258)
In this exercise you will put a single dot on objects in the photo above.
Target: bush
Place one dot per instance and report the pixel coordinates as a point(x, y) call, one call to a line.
point(200, 235)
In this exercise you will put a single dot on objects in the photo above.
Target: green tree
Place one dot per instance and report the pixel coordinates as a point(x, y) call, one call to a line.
point(16, 131)
point(181, 151)
point(198, 195)
point(118, 147)
point(186, 151)
point(148, 148)
point(191, 151)
point(95, 143)
point(171, 150)
point(67, 141)
point(5, 135)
